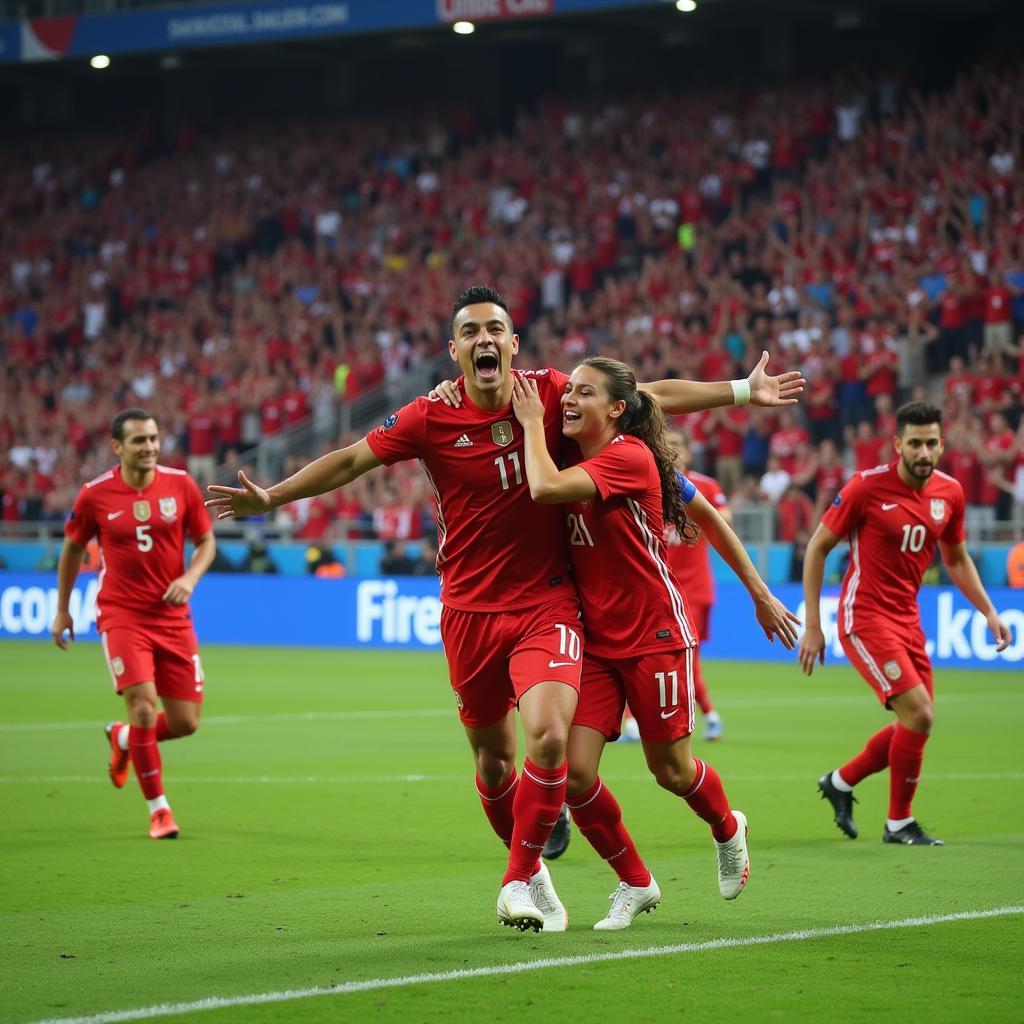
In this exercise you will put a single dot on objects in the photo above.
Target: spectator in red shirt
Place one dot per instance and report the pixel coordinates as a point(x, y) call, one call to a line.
point(729, 426)
point(202, 447)
point(786, 439)
point(795, 513)
point(998, 329)
point(869, 450)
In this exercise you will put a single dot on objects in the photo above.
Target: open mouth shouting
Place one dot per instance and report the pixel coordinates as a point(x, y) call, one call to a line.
point(487, 367)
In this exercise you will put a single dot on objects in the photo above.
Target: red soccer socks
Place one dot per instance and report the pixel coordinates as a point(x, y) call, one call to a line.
point(536, 806)
point(906, 755)
point(873, 758)
point(145, 757)
point(708, 801)
point(498, 804)
point(599, 818)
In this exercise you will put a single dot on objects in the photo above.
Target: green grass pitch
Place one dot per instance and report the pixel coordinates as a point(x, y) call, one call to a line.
point(331, 835)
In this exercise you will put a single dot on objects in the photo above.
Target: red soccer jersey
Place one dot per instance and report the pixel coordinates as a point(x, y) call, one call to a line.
point(498, 549)
point(142, 543)
point(893, 530)
point(632, 603)
point(692, 565)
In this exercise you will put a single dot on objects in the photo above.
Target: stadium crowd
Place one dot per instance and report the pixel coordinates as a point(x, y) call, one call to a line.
point(238, 283)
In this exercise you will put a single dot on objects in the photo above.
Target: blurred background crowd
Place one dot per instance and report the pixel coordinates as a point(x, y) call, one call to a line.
point(247, 280)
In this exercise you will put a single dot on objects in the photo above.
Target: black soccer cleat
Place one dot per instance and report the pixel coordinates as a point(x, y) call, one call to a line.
point(910, 835)
point(558, 841)
point(842, 805)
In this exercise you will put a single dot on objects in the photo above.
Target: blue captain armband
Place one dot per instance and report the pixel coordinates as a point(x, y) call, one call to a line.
point(689, 490)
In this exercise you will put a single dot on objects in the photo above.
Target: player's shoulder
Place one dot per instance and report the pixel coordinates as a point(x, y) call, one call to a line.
point(546, 377)
point(101, 479)
point(869, 479)
point(178, 478)
point(949, 484)
point(627, 443)
point(883, 470)
point(946, 479)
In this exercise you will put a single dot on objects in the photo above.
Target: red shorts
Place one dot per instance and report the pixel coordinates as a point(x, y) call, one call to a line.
point(495, 657)
point(890, 663)
point(658, 688)
point(700, 620)
point(167, 657)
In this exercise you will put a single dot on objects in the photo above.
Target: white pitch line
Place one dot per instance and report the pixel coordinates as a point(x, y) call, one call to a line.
point(374, 984)
point(393, 779)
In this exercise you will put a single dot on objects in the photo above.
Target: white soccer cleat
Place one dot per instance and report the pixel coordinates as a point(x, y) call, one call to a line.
point(546, 900)
point(627, 902)
point(517, 909)
point(733, 860)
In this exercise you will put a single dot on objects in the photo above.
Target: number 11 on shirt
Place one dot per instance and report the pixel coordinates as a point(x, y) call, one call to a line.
point(512, 457)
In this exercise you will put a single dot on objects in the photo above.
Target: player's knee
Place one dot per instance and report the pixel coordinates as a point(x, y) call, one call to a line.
point(493, 769)
point(579, 781)
point(184, 727)
point(546, 748)
point(922, 718)
point(143, 714)
point(676, 777)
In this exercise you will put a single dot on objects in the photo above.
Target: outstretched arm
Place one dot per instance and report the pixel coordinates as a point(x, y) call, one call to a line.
point(548, 484)
point(336, 469)
point(680, 396)
point(775, 618)
point(812, 644)
point(964, 573)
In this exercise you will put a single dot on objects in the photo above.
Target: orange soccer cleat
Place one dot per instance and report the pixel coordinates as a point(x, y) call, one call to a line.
point(162, 824)
point(117, 767)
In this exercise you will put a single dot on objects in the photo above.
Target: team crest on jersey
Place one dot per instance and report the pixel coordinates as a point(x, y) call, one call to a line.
point(892, 670)
point(938, 509)
point(142, 511)
point(390, 421)
point(502, 432)
point(168, 509)
point(117, 664)
point(837, 501)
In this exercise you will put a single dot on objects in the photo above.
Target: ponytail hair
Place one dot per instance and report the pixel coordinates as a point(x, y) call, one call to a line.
point(644, 420)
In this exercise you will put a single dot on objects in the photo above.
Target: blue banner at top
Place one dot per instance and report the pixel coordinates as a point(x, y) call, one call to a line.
point(404, 613)
point(236, 24)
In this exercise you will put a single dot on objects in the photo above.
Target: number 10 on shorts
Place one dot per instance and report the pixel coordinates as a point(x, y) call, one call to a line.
point(568, 642)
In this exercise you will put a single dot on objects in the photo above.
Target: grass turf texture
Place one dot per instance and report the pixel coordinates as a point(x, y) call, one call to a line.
point(331, 834)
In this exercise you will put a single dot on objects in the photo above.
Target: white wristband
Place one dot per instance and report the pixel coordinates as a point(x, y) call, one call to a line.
point(740, 392)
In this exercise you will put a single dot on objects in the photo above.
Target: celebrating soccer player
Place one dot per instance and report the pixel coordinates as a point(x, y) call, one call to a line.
point(140, 512)
point(894, 516)
point(510, 619)
point(640, 640)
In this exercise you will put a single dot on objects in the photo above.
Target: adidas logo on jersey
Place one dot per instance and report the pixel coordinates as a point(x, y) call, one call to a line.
point(463, 442)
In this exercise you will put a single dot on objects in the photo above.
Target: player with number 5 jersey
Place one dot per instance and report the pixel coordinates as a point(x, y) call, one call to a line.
point(510, 618)
point(142, 513)
point(618, 492)
point(894, 516)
